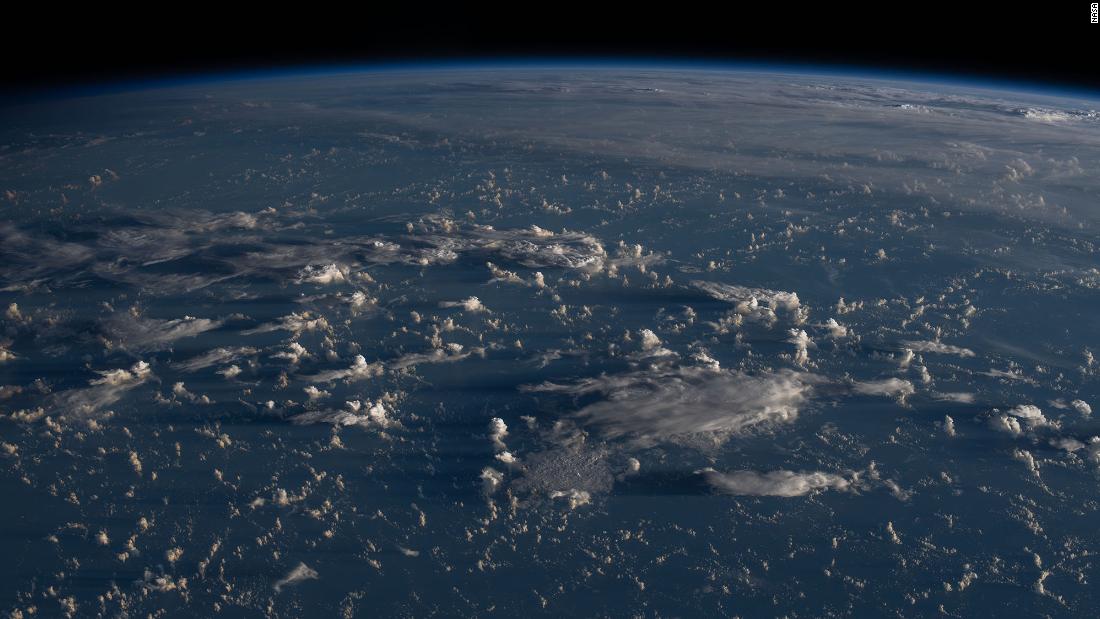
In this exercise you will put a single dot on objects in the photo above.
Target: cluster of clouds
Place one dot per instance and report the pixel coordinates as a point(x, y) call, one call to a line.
point(1020, 419)
point(366, 414)
point(681, 403)
point(139, 334)
point(148, 253)
point(101, 392)
point(667, 404)
point(756, 304)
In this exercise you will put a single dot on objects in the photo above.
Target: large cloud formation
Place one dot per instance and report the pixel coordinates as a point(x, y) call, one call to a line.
point(650, 406)
point(773, 483)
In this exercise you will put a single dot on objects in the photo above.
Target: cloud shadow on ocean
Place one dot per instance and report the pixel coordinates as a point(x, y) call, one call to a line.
point(663, 483)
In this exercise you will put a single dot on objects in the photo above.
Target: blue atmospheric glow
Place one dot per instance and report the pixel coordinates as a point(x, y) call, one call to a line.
point(847, 71)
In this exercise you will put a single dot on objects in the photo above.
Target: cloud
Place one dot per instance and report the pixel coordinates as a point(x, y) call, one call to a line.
point(453, 353)
point(773, 483)
point(1081, 407)
point(27, 259)
point(300, 573)
point(122, 253)
point(295, 352)
point(119, 378)
point(230, 372)
point(1067, 443)
point(672, 404)
point(949, 426)
point(1031, 415)
point(180, 390)
point(294, 322)
point(470, 304)
point(498, 430)
point(938, 347)
point(532, 247)
point(955, 396)
point(802, 343)
point(504, 276)
point(889, 387)
point(315, 394)
point(214, 357)
point(880, 124)
point(649, 339)
point(491, 479)
point(755, 304)
point(1020, 419)
point(13, 314)
point(354, 413)
point(574, 463)
point(835, 329)
point(573, 497)
point(1048, 115)
point(328, 274)
point(137, 334)
point(229, 247)
point(1006, 424)
point(507, 458)
point(359, 370)
point(101, 392)
point(1028, 459)
point(651, 348)
point(736, 295)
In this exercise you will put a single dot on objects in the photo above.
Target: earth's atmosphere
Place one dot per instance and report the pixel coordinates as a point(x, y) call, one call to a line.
point(590, 342)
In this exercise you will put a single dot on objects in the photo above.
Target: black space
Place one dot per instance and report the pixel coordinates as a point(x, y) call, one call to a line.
point(1051, 43)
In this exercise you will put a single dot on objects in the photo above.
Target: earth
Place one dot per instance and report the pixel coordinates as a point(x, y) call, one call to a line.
point(550, 341)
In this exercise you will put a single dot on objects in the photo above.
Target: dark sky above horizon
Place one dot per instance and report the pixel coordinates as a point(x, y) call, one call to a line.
point(1047, 44)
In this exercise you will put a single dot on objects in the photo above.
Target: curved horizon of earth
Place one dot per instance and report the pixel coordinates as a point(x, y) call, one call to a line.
point(585, 341)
